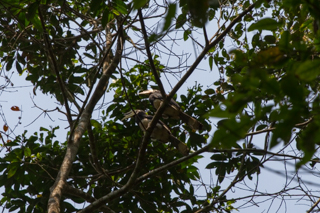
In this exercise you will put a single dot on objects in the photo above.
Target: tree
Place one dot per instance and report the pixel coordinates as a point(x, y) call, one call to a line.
point(79, 52)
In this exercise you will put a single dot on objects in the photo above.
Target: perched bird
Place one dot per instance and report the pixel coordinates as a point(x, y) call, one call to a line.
point(161, 132)
point(172, 110)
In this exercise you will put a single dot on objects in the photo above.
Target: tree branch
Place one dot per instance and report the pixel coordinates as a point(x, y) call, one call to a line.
point(155, 119)
point(314, 205)
point(206, 49)
point(171, 164)
point(54, 64)
point(79, 193)
point(73, 143)
point(102, 63)
point(153, 68)
point(299, 125)
point(125, 188)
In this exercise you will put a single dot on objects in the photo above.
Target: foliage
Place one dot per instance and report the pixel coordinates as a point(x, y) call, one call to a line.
point(79, 51)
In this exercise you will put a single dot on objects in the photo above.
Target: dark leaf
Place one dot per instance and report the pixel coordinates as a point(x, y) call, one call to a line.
point(265, 24)
point(308, 70)
point(170, 15)
point(137, 4)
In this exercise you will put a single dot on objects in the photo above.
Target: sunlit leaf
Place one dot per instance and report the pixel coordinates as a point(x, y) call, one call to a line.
point(27, 152)
point(121, 7)
point(12, 169)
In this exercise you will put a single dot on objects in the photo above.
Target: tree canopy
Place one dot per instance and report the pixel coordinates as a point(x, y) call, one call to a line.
point(94, 57)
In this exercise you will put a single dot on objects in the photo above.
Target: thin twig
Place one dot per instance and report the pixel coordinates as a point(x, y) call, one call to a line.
point(153, 68)
point(55, 66)
point(273, 128)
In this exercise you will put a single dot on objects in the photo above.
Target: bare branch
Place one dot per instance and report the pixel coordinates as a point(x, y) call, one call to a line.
point(314, 206)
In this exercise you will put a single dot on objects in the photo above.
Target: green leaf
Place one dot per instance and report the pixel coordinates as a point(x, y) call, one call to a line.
point(13, 208)
point(211, 14)
point(186, 34)
point(284, 41)
point(265, 24)
point(270, 39)
point(37, 23)
point(217, 112)
point(218, 157)
point(89, 56)
point(181, 20)
point(308, 70)
point(32, 10)
point(12, 144)
point(209, 91)
point(168, 19)
point(210, 62)
point(9, 64)
point(121, 7)
point(95, 124)
point(137, 4)
point(199, 139)
point(105, 17)
point(27, 152)
point(12, 169)
point(212, 165)
point(198, 12)
point(221, 171)
point(260, 127)
point(95, 6)
point(18, 66)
